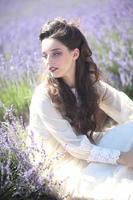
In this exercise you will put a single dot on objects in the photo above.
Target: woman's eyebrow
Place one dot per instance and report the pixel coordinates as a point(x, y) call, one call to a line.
point(55, 49)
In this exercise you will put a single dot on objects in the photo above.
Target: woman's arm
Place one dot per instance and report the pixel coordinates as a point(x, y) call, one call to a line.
point(52, 122)
point(119, 107)
point(126, 158)
point(115, 103)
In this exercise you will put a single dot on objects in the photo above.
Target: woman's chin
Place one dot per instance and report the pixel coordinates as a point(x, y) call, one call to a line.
point(55, 75)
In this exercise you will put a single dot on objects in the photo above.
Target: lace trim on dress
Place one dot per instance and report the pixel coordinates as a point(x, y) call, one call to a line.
point(104, 155)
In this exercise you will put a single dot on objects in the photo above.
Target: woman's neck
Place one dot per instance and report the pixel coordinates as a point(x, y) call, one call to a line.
point(70, 83)
point(69, 79)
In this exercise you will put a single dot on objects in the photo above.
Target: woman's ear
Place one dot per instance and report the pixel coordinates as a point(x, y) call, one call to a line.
point(76, 53)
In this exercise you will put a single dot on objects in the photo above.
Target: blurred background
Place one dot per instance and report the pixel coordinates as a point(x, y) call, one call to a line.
point(107, 24)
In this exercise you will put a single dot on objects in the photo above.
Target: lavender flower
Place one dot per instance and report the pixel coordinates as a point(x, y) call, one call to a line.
point(17, 172)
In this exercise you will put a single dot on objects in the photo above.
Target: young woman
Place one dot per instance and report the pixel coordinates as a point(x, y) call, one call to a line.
point(64, 115)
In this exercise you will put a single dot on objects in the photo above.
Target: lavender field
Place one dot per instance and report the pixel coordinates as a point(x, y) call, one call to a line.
point(108, 26)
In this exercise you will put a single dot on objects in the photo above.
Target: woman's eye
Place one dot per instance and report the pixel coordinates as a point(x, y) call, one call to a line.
point(44, 56)
point(57, 54)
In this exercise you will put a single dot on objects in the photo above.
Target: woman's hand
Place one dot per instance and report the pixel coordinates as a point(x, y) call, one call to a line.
point(126, 158)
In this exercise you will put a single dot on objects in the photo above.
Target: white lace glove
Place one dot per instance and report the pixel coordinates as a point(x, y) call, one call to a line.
point(104, 155)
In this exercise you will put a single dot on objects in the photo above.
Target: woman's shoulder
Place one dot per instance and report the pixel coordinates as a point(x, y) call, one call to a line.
point(40, 92)
point(101, 87)
point(101, 84)
point(41, 102)
point(107, 92)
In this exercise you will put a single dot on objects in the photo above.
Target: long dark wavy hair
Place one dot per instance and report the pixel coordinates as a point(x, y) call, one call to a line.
point(81, 114)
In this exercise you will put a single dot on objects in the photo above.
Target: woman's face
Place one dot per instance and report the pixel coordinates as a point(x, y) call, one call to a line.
point(58, 59)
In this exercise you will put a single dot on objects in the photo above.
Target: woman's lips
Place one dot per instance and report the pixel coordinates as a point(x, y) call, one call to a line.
point(52, 69)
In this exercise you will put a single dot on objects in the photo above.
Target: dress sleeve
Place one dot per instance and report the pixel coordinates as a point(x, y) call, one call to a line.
point(78, 146)
point(115, 103)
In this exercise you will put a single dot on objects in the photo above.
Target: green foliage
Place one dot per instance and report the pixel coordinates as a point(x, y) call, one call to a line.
point(114, 69)
point(129, 91)
point(15, 93)
point(8, 181)
point(109, 50)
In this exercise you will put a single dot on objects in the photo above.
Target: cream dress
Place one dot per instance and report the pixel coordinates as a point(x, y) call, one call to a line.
point(86, 171)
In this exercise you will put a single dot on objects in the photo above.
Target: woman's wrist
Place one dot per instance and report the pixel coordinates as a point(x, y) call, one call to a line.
point(121, 159)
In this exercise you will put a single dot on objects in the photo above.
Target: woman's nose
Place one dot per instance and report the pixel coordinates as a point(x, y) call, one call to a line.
point(48, 60)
